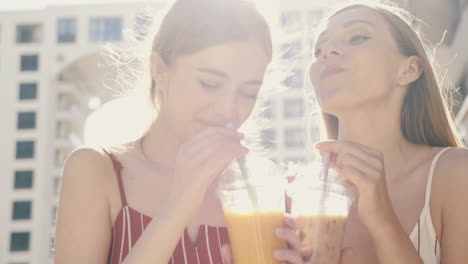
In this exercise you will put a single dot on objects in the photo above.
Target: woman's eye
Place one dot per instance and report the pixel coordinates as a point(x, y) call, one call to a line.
point(317, 52)
point(249, 96)
point(209, 85)
point(358, 39)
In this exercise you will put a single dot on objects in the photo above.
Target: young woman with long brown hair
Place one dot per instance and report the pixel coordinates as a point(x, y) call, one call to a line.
point(389, 124)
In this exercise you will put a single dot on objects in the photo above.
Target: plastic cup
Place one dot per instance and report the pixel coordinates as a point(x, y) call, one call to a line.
point(251, 224)
point(320, 212)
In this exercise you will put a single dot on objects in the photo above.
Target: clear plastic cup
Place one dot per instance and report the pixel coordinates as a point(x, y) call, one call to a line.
point(320, 211)
point(251, 224)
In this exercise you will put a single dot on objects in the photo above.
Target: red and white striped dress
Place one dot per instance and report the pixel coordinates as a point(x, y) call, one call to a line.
point(130, 224)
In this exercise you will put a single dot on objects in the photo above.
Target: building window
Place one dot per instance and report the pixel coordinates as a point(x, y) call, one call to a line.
point(291, 50)
point(61, 130)
point(66, 30)
point(291, 19)
point(19, 241)
point(105, 29)
point(22, 210)
point(269, 138)
point(54, 216)
point(25, 149)
point(293, 108)
point(295, 80)
point(60, 157)
point(28, 91)
point(57, 181)
point(29, 62)
point(293, 138)
point(142, 25)
point(28, 33)
point(294, 159)
point(26, 120)
point(314, 17)
point(269, 111)
point(23, 179)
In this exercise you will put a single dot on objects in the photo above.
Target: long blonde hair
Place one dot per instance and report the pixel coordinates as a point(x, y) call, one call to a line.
point(425, 115)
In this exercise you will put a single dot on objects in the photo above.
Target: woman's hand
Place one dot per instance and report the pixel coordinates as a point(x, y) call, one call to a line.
point(364, 169)
point(293, 254)
point(199, 162)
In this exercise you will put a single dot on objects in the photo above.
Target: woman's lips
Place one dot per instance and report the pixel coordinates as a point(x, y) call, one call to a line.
point(330, 70)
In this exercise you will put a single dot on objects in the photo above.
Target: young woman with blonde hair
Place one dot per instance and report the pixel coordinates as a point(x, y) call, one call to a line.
point(153, 200)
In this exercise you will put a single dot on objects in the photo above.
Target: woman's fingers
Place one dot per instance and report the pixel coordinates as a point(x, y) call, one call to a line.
point(290, 236)
point(288, 256)
point(226, 254)
point(343, 148)
point(346, 254)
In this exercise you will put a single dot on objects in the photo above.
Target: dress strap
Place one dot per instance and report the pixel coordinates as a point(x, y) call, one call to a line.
point(431, 174)
point(118, 171)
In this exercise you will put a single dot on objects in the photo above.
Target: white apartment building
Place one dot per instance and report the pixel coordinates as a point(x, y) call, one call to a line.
point(50, 66)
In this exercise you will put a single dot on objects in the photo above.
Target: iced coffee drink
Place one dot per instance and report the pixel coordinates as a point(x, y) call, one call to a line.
point(320, 213)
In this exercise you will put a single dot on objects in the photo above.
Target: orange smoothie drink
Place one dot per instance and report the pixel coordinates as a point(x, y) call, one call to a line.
point(254, 206)
point(252, 236)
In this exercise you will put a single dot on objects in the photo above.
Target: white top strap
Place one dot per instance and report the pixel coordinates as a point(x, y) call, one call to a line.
point(431, 173)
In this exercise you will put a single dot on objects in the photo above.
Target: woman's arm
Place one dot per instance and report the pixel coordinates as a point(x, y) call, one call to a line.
point(454, 171)
point(84, 223)
point(83, 230)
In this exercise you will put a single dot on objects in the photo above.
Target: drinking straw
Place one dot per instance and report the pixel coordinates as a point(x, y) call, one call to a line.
point(253, 199)
point(326, 180)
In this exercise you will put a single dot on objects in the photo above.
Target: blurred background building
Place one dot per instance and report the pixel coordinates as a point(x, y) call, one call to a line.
point(53, 76)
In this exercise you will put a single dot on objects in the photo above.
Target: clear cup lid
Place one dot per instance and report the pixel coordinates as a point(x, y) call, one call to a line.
point(261, 172)
point(307, 182)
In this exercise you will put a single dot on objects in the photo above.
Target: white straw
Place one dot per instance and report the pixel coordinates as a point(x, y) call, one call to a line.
point(326, 180)
point(254, 201)
point(325, 166)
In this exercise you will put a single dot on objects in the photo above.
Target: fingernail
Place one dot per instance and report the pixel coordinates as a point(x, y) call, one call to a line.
point(279, 232)
point(290, 222)
point(277, 253)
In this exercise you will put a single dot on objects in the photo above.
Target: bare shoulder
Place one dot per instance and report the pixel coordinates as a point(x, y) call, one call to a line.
point(452, 171)
point(88, 163)
point(455, 163)
point(85, 154)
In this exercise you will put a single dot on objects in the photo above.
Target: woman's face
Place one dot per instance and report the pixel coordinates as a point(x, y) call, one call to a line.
point(356, 62)
point(213, 87)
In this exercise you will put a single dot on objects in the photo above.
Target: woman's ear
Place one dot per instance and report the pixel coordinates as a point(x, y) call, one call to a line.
point(159, 76)
point(411, 71)
point(158, 66)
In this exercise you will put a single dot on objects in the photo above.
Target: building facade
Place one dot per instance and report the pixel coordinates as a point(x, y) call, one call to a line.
point(51, 70)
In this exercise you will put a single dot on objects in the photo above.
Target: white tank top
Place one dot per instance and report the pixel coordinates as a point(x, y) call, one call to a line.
point(423, 235)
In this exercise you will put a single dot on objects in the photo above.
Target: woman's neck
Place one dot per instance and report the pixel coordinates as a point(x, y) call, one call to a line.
point(379, 129)
point(160, 145)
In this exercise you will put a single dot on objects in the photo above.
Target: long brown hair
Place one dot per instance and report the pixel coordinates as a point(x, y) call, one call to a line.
point(425, 115)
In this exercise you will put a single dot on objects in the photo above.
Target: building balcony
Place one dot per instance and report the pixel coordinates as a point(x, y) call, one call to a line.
point(71, 92)
point(71, 115)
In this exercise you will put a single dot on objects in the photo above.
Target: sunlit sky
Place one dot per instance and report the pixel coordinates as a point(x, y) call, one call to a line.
point(22, 4)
